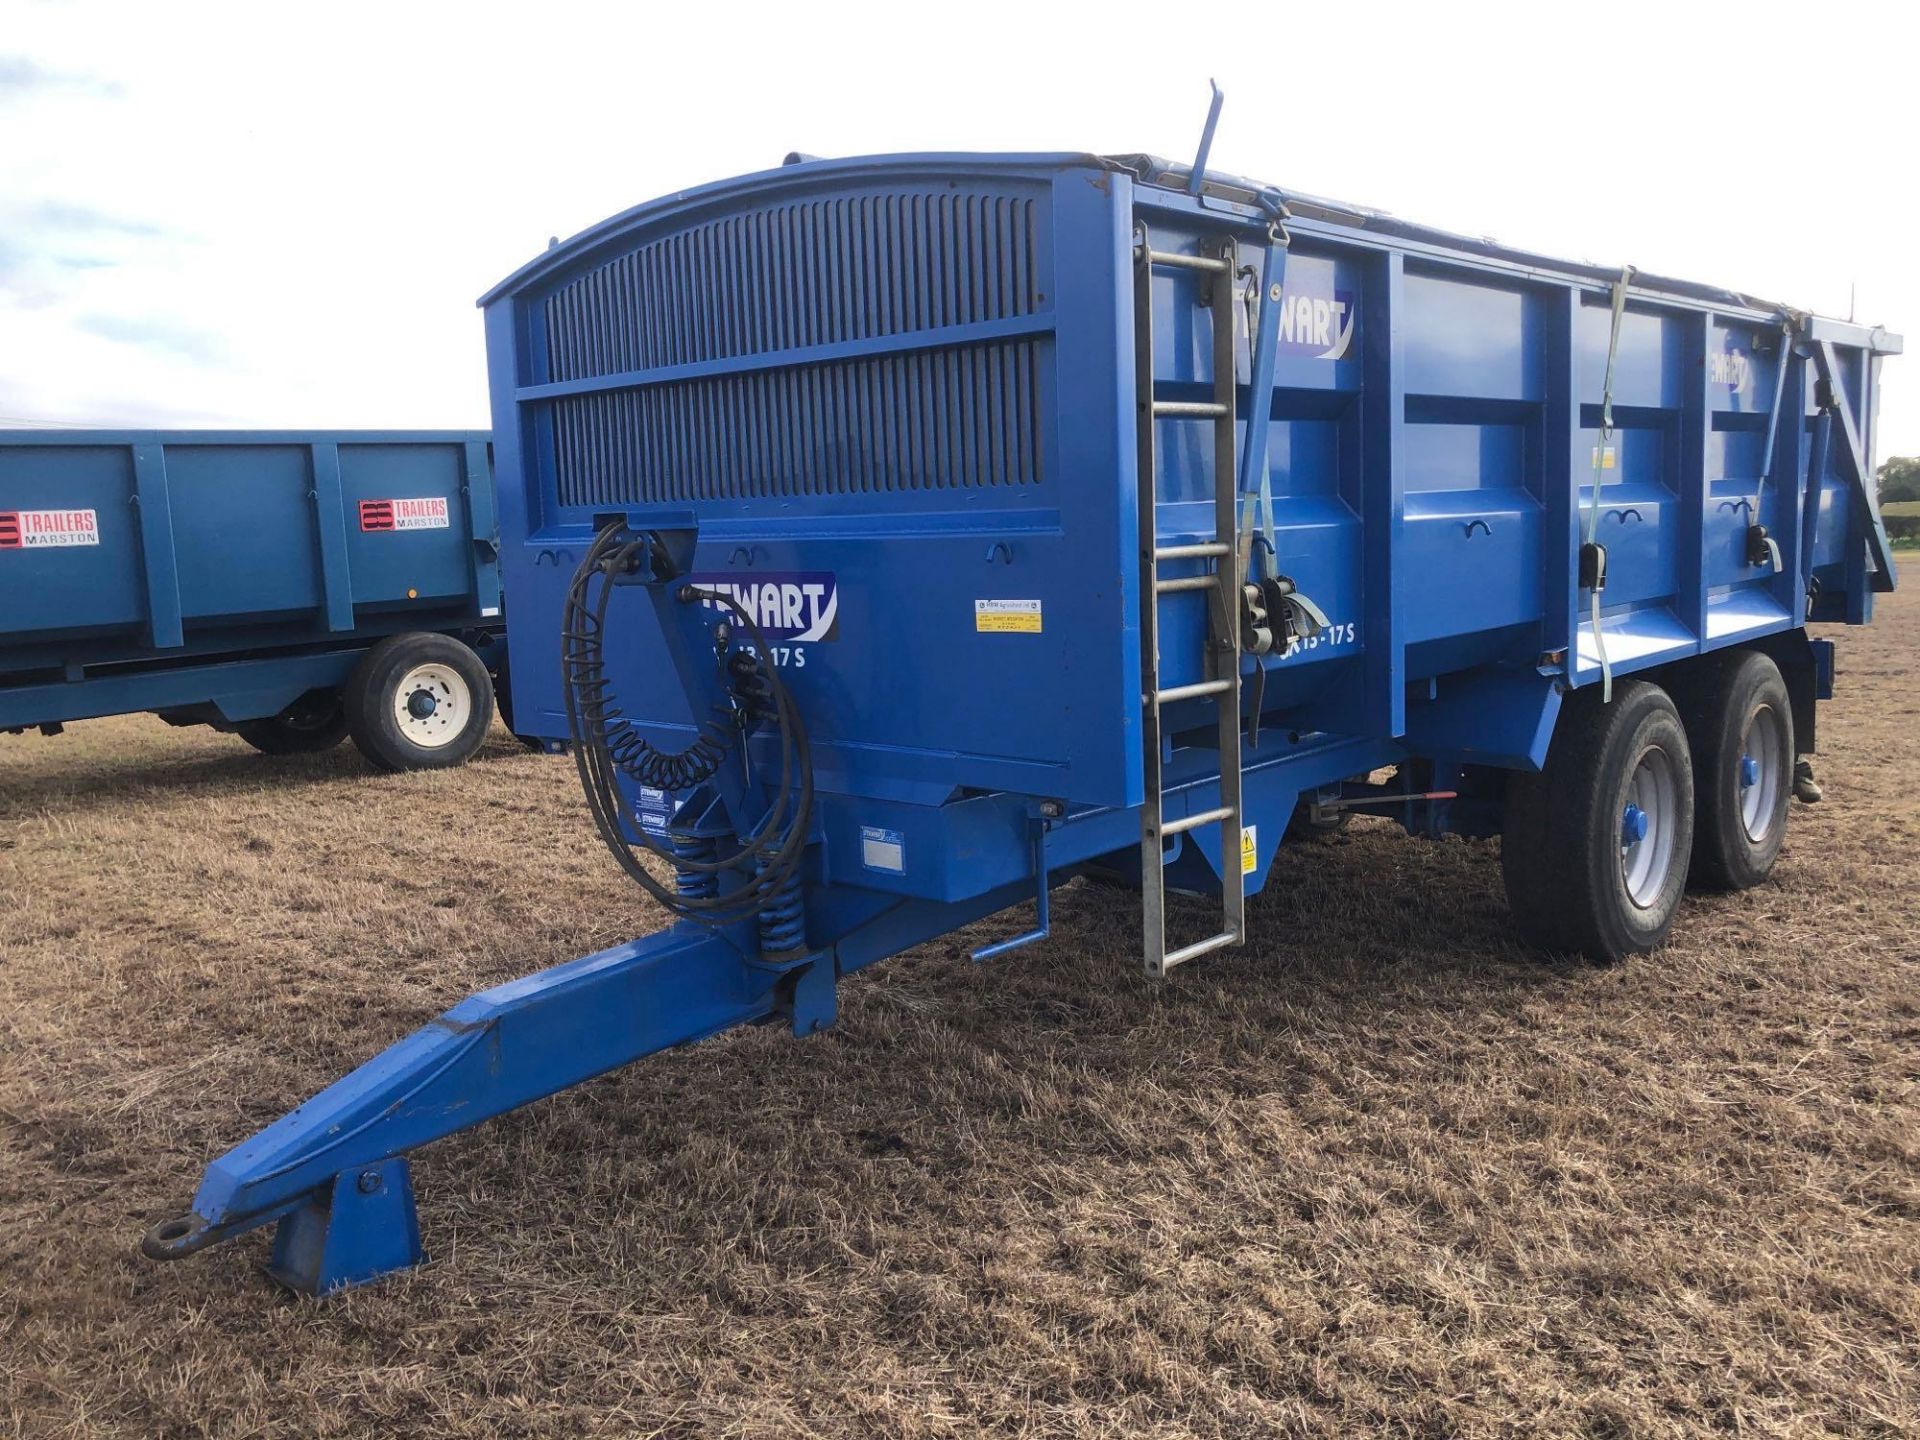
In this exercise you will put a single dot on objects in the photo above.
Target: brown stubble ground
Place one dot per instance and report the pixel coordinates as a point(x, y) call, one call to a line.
point(1380, 1172)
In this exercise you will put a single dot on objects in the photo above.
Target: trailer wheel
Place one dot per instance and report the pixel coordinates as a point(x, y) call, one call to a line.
point(1739, 722)
point(316, 721)
point(1303, 826)
point(419, 702)
point(1594, 849)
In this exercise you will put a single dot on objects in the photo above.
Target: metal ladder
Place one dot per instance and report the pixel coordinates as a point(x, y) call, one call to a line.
point(1224, 586)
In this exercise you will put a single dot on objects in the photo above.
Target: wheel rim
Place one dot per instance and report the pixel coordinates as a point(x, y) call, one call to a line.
point(1649, 823)
point(1761, 773)
point(431, 705)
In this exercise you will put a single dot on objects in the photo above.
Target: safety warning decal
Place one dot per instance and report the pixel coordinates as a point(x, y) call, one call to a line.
point(653, 809)
point(883, 850)
point(1006, 617)
point(427, 513)
point(1249, 853)
point(38, 529)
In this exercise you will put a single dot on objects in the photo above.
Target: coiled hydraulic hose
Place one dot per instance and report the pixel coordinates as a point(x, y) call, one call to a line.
point(606, 745)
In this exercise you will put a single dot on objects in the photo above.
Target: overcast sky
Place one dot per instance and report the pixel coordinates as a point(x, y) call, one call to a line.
point(278, 214)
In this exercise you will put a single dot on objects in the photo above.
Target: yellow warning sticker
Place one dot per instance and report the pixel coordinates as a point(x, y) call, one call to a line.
point(1006, 617)
point(1604, 457)
point(1248, 849)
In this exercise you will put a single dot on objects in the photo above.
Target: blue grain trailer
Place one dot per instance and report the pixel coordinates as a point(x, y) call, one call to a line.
point(290, 588)
point(896, 538)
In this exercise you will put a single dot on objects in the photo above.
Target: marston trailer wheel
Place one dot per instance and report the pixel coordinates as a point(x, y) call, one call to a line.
point(316, 721)
point(1595, 846)
point(1739, 723)
point(419, 702)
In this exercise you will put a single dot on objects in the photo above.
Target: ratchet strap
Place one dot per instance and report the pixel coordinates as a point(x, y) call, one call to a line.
point(1762, 548)
point(1593, 555)
point(1263, 336)
point(1259, 554)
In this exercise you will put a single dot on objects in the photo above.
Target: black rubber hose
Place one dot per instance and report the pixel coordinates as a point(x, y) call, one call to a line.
point(606, 745)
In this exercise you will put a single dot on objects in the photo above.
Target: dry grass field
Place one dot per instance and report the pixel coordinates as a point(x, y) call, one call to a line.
point(1380, 1172)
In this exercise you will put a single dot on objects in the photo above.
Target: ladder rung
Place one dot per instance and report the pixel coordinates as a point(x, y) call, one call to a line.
point(1193, 552)
point(1199, 948)
point(1194, 822)
point(1185, 582)
point(1190, 692)
point(1189, 409)
point(1187, 262)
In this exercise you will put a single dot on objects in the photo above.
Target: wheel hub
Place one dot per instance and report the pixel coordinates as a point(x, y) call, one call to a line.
point(431, 705)
point(1633, 825)
point(1649, 827)
point(1764, 770)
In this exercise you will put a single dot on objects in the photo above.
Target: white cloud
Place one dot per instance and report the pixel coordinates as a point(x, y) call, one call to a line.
point(300, 203)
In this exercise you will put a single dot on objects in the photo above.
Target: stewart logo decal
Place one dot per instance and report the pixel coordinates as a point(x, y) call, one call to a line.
point(429, 513)
point(797, 606)
point(48, 529)
point(1315, 323)
point(1729, 367)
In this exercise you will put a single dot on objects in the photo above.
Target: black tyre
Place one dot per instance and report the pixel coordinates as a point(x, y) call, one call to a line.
point(1739, 721)
point(1595, 848)
point(1304, 826)
point(316, 721)
point(419, 702)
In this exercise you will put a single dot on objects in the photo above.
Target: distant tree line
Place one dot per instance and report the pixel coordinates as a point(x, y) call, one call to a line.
point(1900, 488)
point(1900, 479)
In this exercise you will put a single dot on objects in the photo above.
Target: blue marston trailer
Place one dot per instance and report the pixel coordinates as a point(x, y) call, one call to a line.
point(926, 530)
point(292, 588)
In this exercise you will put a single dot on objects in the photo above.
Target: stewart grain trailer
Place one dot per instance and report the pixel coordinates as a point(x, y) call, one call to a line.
point(291, 588)
point(895, 538)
